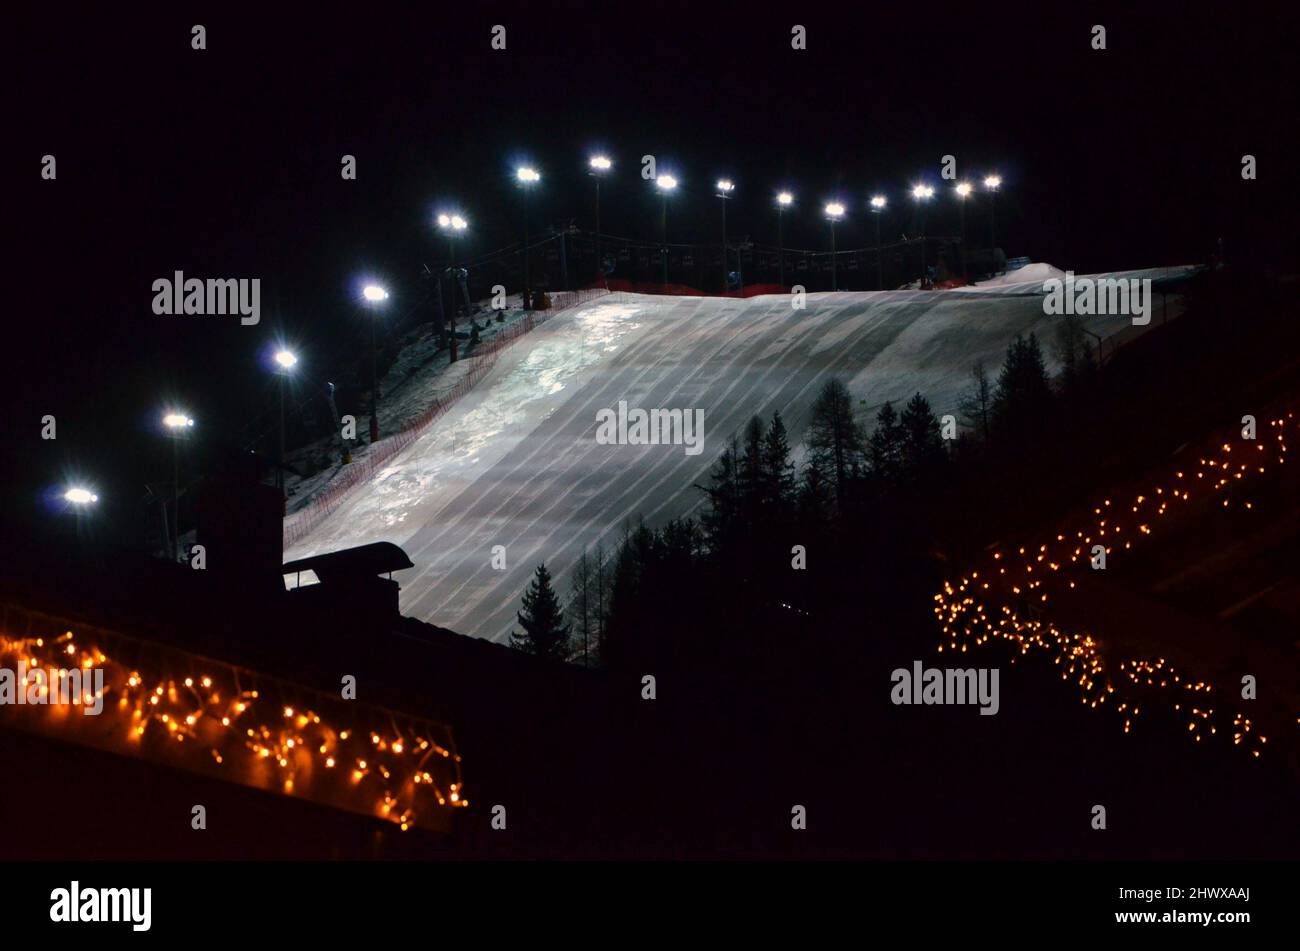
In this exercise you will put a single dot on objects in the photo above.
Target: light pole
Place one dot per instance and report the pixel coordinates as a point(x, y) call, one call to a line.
point(178, 424)
point(783, 201)
point(922, 193)
point(80, 499)
point(991, 184)
point(963, 190)
point(528, 177)
point(665, 184)
point(600, 164)
point(453, 226)
point(878, 208)
point(286, 360)
point(725, 188)
point(834, 212)
point(373, 295)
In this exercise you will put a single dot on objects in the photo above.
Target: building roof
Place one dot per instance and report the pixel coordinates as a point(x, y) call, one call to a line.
point(352, 563)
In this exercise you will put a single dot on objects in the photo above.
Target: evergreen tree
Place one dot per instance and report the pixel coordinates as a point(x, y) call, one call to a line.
point(1074, 352)
point(814, 502)
point(723, 492)
point(545, 633)
point(976, 407)
point(752, 476)
point(922, 440)
point(600, 611)
point(778, 469)
point(582, 605)
point(835, 440)
point(885, 448)
point(1024, 393)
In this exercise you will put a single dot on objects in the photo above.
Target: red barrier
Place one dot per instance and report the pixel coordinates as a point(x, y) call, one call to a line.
point(684, 290)
point(297, 525)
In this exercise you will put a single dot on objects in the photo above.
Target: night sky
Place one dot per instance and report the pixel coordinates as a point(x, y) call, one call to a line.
point(225, 163)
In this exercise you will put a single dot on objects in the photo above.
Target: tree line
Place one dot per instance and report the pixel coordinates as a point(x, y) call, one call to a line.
point(863, 502)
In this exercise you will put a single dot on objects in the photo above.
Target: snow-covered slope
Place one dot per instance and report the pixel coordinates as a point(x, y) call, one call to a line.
point(516, 462)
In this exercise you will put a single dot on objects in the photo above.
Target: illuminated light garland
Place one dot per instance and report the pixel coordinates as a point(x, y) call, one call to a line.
point(240, 727)
point(964, 618)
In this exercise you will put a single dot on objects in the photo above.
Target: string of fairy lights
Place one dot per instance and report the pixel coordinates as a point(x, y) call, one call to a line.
point(1003, 600)
point(246, 726)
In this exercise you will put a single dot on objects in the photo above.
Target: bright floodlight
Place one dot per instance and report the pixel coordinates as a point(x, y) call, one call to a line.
point(666, 183)
point(922, 191)
point(600, 163)
point(878, 202)
point(964, 189)
point(452, 222)
point(177, 421)
point(444, 221)
point(725, 185)
point(373, 292)
point(286, 359)
point(528, 175)
point(834, 210)
point(993, 182)
point(79, 496)
point(785, 198)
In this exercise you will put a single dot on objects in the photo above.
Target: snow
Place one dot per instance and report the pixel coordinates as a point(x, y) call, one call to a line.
point(418, 376)
point(1029, 274)
point(516, 463)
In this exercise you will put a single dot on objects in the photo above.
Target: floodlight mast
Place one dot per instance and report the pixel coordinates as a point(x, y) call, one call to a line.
point(665, 184)
point(878, 204)
point(453, 226)
point(783, 201)
point(178, 423)
point(834, 212)
point(600, 164)
point(286, 359)
point(725, 188)
point(527, 177)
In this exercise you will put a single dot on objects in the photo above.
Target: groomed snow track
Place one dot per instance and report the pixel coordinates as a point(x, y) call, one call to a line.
point(516, 462)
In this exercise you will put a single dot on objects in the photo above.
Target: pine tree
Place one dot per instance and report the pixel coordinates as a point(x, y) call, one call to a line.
point(1073, 351)
point(1024, 393)
point(545, 633)
point(778, 469)
point(601, 611)
point(922, 441)
point(814, 502)
point(581, 604)
point(723, 492)
point(752, 477)
point(885, 448)
point(976, 407)
point(835, 440)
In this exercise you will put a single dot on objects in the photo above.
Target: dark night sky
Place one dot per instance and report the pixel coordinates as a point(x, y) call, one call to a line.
point(226, 162)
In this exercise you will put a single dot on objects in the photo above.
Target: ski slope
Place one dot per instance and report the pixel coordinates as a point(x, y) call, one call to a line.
point(516, 462)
